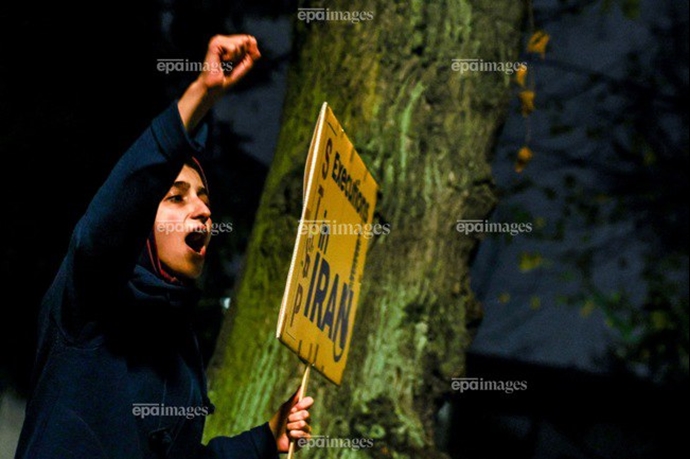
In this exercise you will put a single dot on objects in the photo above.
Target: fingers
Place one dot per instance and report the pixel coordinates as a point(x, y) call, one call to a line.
point(253, 48)
point(297, 434)
point(303, 404)
point(239, 70)
point(298, 421)
point(298, 425)
point(230, 57)
point(234, 48)
point(299, 416)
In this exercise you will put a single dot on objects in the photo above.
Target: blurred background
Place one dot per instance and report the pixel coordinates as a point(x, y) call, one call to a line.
point(590, 308)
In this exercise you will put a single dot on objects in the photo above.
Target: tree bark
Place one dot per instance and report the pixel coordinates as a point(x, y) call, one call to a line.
point(426, 133)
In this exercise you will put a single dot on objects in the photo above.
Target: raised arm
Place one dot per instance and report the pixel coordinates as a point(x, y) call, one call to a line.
point(111, 235)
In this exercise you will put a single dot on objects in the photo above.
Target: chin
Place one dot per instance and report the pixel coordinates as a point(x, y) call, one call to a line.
point(192, 274)
point(189, 272)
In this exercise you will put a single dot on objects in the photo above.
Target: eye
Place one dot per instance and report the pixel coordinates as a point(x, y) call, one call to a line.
point(176, 198)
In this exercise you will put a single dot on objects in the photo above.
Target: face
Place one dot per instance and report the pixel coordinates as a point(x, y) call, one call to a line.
point(183, 226)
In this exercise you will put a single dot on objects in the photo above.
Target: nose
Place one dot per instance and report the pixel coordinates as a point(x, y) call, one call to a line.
point(200, 211)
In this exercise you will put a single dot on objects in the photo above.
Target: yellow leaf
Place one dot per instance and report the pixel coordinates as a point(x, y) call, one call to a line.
point(587, 309)
point(535, 302)
point(530, 261)
point(521, 76)
point(538, 42)
point(523, 158)
point(504, 298)
point(527, 101)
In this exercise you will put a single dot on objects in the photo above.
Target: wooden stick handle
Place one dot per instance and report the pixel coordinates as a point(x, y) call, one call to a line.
point(301, 395)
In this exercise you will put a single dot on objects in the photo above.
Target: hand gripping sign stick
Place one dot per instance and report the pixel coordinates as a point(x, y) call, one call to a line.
point(301, 395)
point(317, 314)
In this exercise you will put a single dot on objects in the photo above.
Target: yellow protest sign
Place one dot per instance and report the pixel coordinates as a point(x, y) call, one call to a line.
point(319, 305)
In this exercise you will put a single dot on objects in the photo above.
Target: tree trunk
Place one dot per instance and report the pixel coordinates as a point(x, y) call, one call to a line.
point(426, 132)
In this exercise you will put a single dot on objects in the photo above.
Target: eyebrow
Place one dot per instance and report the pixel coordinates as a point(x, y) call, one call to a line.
point(181, 185)
point(185, 186)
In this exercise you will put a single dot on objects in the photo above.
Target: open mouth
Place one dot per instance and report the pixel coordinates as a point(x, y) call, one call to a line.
point(196, 240)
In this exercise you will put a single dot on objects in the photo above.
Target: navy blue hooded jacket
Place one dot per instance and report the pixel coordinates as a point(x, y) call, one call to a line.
point(115, 344)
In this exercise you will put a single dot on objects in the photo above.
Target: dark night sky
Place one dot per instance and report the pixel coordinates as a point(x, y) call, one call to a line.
point(590, 42)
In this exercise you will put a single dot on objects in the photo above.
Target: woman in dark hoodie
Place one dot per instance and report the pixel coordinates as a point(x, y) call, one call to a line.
point(118, 371)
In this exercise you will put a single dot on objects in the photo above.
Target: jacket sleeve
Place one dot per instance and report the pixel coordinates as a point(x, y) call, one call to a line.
point(257, 443)
point(111, 235)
